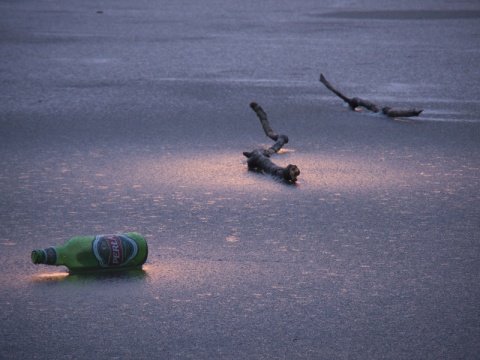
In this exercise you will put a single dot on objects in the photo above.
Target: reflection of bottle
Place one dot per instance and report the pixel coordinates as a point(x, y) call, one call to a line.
point(84, 253)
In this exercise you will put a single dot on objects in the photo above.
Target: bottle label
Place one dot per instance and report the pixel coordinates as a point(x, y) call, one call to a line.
point(114, 250)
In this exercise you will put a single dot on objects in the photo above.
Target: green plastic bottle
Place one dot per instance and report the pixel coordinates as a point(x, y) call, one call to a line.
point(101, 252)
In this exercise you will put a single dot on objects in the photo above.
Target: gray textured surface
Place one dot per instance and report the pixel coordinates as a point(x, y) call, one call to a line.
point(133, 116)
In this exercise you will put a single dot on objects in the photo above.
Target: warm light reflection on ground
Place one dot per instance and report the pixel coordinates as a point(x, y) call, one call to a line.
point(50, 277)
point(195, 170)
point(55, 277)
point(167, 271)
point(187, 271)
point(351, 173)
point(229, 171)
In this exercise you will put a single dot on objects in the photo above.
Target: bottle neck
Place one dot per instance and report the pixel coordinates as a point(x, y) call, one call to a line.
point(45, 256)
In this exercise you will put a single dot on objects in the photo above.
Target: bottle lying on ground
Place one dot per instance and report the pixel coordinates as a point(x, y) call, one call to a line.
point(101, 252)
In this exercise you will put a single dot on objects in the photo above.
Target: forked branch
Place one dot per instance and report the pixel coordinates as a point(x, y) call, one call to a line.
point(354, 103)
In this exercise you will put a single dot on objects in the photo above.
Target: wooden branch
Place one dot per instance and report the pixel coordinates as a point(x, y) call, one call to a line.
point(400, 113)
point(352, 102)
point(332, 89)
point(357, 102)
point(259, 160)
point(262, 115)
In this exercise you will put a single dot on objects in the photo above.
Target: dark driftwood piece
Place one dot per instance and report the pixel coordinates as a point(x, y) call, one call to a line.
point(357, 102)
point(259, 160)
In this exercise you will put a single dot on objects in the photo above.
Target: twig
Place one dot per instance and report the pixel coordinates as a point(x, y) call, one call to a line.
point(259, 160)
point(357, 102)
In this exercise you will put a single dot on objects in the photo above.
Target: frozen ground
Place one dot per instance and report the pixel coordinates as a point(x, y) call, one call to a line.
point(119, 116)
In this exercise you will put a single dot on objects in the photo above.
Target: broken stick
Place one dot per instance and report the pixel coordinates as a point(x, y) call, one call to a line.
point(357, 102)
point(259, 160)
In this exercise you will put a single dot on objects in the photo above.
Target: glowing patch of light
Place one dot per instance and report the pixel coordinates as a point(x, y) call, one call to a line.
point(352, 172)
point(50, 277)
